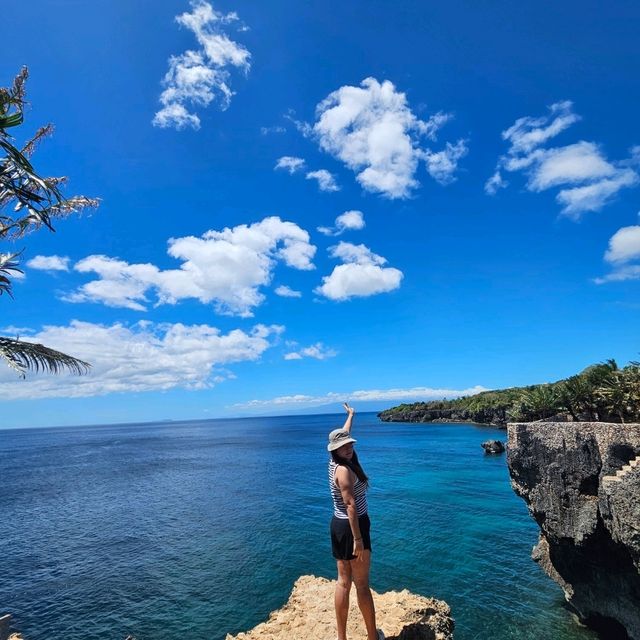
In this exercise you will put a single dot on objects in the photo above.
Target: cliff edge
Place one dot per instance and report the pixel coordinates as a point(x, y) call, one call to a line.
point(581, 483)
point(309, 613)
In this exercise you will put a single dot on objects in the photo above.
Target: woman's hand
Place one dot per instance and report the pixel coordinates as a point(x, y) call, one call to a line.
point(358, 549)
point(348, 409)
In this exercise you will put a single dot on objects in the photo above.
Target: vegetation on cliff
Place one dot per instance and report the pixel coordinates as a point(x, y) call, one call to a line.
point(602, 392)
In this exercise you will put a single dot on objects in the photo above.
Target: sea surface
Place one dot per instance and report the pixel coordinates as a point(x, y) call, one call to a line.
point(195, 529)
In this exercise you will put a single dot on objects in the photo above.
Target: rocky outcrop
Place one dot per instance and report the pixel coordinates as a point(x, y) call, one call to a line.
point(309, 613)
point(493, 447)
point(581, 482)
point(5, 632)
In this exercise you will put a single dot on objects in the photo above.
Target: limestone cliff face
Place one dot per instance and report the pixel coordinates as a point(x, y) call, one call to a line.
point(581, 482)
point(309, 614)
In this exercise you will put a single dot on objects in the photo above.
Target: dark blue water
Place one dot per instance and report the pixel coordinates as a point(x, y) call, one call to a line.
point(196, 529)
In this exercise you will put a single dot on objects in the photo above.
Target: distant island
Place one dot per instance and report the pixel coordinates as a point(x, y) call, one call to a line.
point(602, 392)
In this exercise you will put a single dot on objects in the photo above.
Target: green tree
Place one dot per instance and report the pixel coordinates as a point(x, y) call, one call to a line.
point(28, 202)
point(541, 401)
point(620, 393)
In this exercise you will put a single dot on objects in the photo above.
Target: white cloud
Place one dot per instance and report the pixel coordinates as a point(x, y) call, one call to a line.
point(365, 395)
point(49, 263)
point(374, 132)
point(317, 351)
point(442, 165)
point(361, 275)
point(528, 133)
point(624, 247)
point(290, 164)
point(287, 292)
point(627, 272)
point(141, 357)
point(196, 78)
point(226, 268)
point(574, 163)
point(347, 221)
point(591, 181)
point(326, 180)
point(495, 182)
point(593, 197)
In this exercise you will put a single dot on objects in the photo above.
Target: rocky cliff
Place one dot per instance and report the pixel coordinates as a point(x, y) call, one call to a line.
point(420, 412)
point(581, 482)
point(309, 613)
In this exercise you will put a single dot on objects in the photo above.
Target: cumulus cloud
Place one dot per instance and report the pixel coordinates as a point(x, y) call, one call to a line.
point(347, 221)
point(287, 292)
point(364, 395)
point(226, 268)
point(326, 180)
point(623, 251)
point(362, 274)
point(318, 351)
point(290, 164)
point(590, 181)
point(140, 357)
point(374, 132)
point(624, 245)
point(49, 263)
point(197, 78)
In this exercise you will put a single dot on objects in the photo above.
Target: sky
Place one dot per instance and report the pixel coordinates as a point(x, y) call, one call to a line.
point(307, 203)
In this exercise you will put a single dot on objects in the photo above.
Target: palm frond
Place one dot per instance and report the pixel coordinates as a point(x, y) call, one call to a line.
point(7, 265)
point(24, 356)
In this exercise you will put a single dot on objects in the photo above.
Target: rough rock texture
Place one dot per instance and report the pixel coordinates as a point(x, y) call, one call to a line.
point(493, 446)
point(5, 633)
point(585, 496)
point(309, 614)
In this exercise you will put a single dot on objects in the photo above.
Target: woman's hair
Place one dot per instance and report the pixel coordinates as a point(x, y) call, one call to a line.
point(353, 464)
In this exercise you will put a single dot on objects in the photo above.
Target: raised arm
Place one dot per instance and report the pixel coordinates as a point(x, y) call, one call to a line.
point(351, 412)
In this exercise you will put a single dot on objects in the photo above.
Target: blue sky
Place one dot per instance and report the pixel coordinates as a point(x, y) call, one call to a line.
point(304, 203)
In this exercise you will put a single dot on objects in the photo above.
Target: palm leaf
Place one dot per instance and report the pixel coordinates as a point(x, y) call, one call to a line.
point(23, 356)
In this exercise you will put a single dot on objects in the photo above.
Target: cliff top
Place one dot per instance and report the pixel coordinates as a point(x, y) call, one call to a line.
point(309, 613)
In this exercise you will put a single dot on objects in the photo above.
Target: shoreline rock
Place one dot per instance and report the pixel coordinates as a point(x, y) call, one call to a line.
point(493, 447)
point(309, 613)
point(581, 483)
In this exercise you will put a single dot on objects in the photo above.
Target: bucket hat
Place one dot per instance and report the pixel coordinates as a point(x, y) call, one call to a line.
point(339, 437)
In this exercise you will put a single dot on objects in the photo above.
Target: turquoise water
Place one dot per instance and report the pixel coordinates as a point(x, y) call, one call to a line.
point(196, 529)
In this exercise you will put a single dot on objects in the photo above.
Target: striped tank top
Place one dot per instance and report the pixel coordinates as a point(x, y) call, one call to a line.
point(359, 493)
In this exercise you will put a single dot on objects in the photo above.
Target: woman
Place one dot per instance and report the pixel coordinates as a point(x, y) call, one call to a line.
point(350, 539)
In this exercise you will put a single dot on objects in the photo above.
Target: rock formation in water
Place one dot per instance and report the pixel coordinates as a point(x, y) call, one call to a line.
point(493, 447)
point(581, 482)
point(309, 613)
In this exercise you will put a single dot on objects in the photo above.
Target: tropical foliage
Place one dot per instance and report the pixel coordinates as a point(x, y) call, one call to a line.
point(28, 202)
point(602, 392)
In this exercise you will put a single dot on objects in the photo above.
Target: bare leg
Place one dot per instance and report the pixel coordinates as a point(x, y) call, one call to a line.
point(360, 573)
point(343, 587)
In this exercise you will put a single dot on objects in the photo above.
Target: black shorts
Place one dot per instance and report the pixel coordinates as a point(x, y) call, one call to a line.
point(342, 538)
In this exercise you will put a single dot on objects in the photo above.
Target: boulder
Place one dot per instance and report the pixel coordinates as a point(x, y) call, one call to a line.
point(493, 446)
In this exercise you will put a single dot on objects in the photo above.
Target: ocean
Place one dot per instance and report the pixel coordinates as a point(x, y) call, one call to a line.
point(195, 529)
